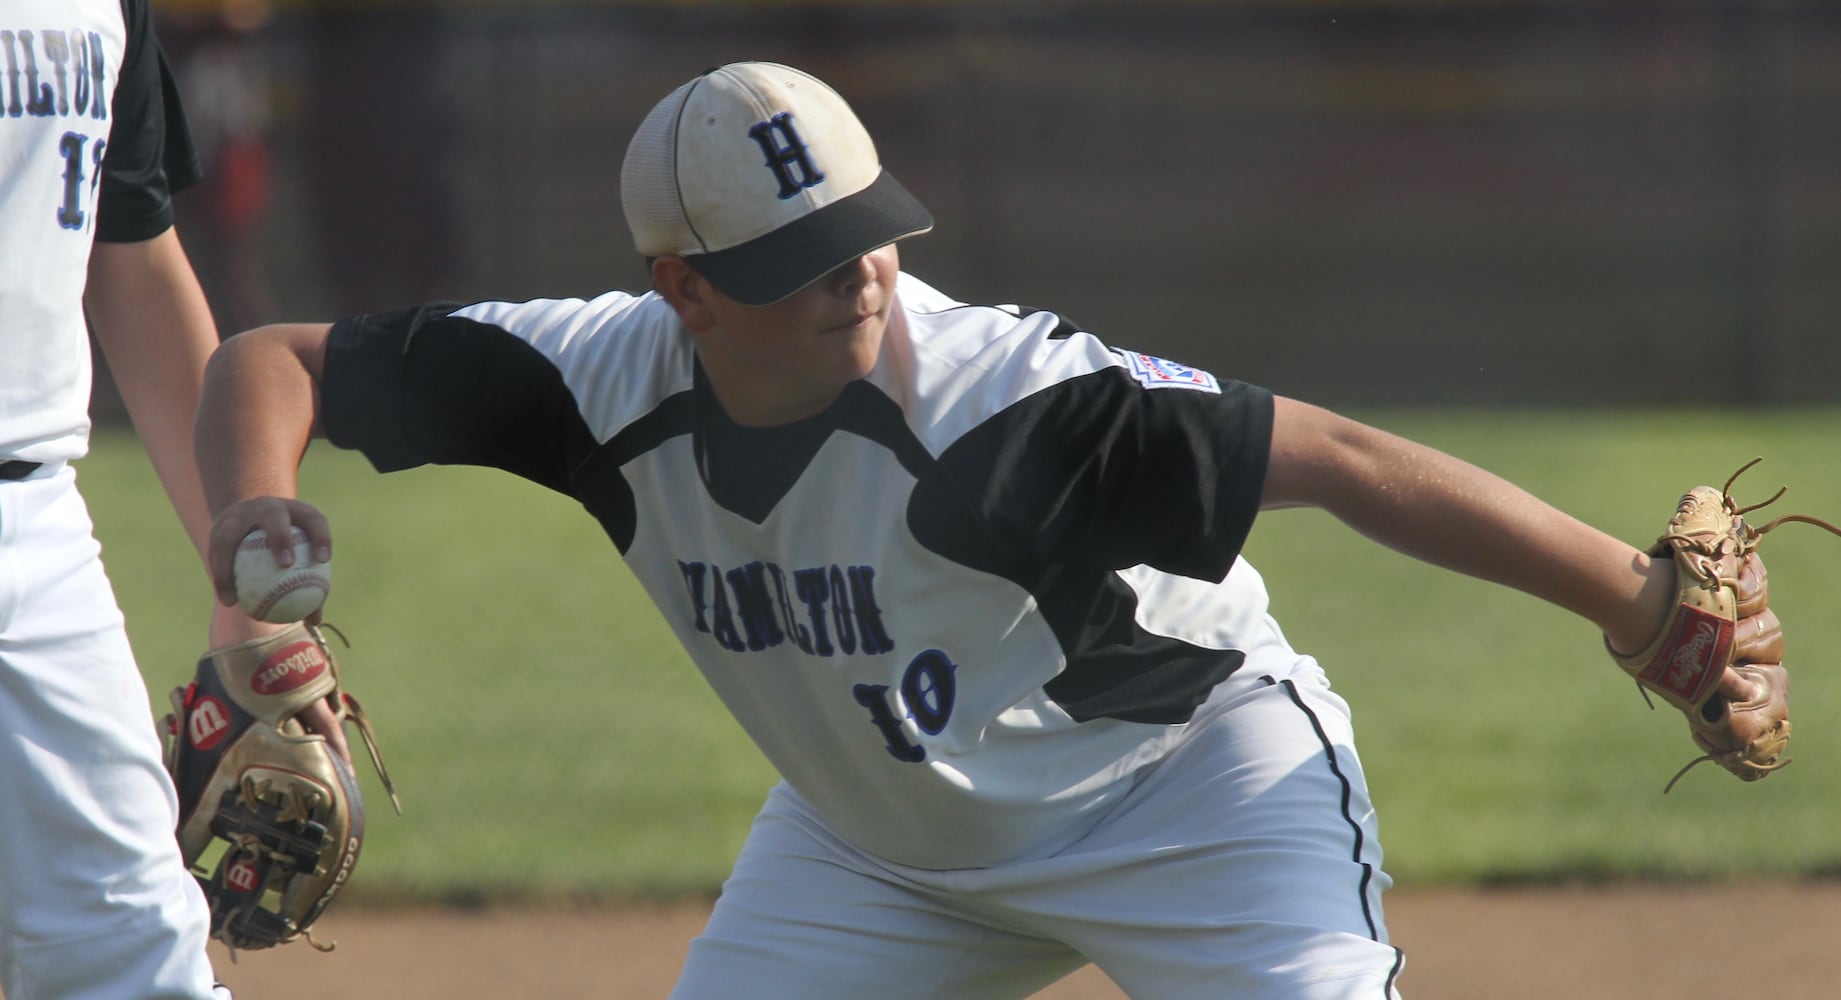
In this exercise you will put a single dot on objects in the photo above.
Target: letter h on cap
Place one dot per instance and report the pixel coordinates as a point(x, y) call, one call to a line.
point(782, 158)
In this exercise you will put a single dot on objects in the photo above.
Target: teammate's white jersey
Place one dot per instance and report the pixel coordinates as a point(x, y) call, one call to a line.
point(69, 71)
point(959, 611)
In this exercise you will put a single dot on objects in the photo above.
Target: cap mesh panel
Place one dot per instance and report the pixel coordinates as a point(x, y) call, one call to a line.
point(648, 182)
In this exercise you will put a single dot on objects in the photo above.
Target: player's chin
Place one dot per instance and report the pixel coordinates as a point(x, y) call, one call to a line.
point(856, 347)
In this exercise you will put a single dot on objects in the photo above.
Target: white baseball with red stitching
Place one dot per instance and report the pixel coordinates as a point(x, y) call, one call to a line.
point(276, 593)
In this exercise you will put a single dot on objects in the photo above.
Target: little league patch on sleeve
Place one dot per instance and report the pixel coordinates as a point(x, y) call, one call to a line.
point(1156, 373)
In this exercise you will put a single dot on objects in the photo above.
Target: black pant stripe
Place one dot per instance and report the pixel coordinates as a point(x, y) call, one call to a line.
point(1355, 827)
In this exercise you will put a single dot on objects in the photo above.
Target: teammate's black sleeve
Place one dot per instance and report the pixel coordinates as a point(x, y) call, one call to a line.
point(422, 386)
point(1100, 471)
point(150, 153)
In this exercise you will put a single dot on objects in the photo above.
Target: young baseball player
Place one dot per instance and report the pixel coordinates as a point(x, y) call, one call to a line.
point(967, 574)
point(94, 900)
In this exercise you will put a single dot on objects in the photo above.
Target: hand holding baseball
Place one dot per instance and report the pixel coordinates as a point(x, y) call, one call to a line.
point(281, 522)
point(280, 587)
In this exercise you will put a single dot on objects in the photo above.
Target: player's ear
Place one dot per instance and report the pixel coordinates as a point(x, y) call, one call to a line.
point(688, 292)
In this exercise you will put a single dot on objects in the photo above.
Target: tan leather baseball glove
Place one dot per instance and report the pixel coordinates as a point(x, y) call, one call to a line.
point(285, 804)
point(1719, 655)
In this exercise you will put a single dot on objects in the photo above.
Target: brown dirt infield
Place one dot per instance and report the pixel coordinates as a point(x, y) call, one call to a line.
point(1628, 943)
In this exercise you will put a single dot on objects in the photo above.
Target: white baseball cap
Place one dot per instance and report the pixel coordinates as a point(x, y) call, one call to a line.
point(763, 180)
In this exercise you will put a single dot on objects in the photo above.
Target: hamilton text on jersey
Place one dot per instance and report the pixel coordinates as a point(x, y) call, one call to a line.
point(825, 610)
point(73, 62)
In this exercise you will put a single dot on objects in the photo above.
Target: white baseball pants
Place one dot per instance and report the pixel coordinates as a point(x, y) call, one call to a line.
point(95, 903)
point(1245, 865)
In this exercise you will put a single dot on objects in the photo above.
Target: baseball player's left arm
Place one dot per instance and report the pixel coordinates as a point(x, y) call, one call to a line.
point(1447, 512)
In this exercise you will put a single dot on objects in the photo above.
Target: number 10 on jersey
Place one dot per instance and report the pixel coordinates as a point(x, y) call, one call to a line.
point(928, 689)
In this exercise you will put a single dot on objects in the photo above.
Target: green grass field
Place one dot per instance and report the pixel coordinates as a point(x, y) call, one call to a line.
point(550, 740)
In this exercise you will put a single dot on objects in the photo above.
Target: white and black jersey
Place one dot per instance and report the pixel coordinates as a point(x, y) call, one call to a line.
point(958, 610)
point(93, 144)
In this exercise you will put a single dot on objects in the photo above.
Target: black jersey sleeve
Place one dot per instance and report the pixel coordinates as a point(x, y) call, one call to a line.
point(1101, 471)
point(150, 153)
point(422, 386)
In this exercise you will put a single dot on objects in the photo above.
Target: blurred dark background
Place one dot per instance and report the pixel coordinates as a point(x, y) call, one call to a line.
point(1358, 202)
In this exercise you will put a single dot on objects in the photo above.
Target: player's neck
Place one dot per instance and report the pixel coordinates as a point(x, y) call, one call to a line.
point(757, 402)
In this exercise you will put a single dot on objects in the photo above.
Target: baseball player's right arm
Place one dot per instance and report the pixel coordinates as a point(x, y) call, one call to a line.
point(152, 323)
point(256, 415)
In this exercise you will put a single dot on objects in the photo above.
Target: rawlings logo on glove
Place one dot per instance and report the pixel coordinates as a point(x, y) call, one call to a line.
point(1718, 657)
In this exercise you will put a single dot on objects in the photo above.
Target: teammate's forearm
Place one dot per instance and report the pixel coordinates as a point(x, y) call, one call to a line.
point(155, 328)
point(1444, 511)
point(257, 413)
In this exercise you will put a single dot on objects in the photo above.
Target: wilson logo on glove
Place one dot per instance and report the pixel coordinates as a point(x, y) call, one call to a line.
point(242, 876)
point(208, 723)
point(288, 669)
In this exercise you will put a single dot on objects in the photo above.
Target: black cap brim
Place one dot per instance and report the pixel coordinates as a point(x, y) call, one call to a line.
point(769, 268)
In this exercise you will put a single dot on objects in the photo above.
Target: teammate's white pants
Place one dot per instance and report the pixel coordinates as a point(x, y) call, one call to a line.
point(95, 903)
point(1243, 866)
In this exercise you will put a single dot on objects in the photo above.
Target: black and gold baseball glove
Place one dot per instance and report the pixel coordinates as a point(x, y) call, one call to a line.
point(284, 803)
